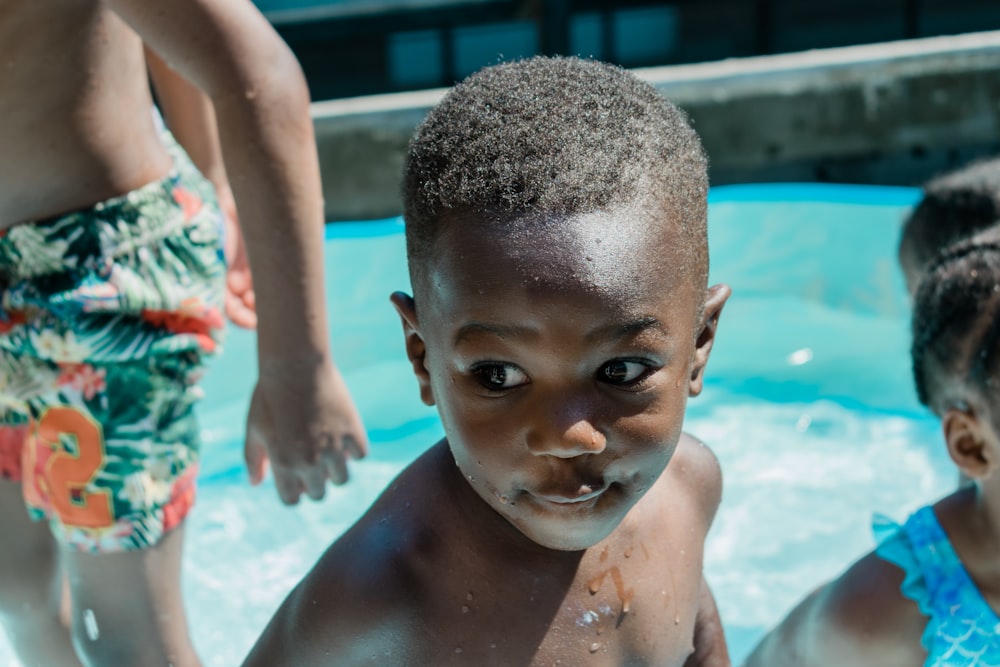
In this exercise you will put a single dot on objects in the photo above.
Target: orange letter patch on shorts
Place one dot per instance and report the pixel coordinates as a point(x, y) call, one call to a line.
point(66, 451)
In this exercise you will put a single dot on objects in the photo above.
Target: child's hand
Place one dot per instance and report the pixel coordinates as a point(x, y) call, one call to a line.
point(241, 306)
point(305, 423)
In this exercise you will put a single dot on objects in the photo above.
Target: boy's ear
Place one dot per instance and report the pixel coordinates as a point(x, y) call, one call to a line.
point(970, 444)
point(716, 299)
point(415, 348)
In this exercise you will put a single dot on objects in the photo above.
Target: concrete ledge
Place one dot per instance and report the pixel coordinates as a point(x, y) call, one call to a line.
point(892, 113)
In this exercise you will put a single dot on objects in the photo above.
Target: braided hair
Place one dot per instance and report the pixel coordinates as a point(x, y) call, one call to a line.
point(953, 207)
point(956, 323)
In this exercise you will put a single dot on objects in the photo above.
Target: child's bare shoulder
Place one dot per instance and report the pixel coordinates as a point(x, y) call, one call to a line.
point(695, 471)
point(868, 614)
point(861, 619)
point(328, 619)
point(358, 603)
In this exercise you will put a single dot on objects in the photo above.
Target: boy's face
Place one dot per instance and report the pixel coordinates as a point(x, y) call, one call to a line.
point(561, 357)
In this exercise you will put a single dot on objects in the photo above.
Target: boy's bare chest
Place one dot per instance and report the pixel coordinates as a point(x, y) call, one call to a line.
point(630, 605)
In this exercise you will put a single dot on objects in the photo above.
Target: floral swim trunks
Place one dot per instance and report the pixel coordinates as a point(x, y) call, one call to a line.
point(106, 317)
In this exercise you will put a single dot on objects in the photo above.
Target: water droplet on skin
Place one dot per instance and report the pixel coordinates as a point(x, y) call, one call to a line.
point(628, 552)
point(677, 620)
point(493, 645)
point(469, 596)
point(595, 647)
point(465, 609)
point(90, 624)
point(503, 499)
point(458, 650)
point(471, 478)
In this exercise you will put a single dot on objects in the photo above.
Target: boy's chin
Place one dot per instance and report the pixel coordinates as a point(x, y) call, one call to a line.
point(564, 536)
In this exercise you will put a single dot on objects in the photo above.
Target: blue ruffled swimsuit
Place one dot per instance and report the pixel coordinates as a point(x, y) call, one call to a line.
point(962, 630)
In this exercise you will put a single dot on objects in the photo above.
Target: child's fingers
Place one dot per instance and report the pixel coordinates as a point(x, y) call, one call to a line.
point(289, 486)
point(240, 312)
point(256, 459)
point(238, 279)
point(356, 449)
point(336, 466)
point(314, 482)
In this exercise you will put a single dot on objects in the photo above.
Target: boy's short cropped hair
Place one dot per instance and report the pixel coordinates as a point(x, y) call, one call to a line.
point(956, 324)
point(954, 206)
point(553, 136)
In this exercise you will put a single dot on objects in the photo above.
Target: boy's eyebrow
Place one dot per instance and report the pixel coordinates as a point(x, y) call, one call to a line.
point(613, 331)
point(616, 331)
point(470, 329)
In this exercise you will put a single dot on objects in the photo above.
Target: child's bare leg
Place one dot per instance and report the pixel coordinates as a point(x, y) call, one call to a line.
point(127, 607)
point(31, 585)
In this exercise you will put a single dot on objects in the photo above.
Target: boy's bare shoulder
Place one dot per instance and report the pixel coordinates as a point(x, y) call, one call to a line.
point(860, 619)
point(695, 469)
point(359, 603)
point(345, 612)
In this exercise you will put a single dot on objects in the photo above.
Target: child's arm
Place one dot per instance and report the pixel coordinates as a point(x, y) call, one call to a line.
point(710, 648)
point(191, 119)
point(699, 468)
point(861, 619)
point(302, 417)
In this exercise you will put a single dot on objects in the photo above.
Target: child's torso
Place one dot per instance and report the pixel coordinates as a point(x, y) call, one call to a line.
point(631, 601)
point(75, 103)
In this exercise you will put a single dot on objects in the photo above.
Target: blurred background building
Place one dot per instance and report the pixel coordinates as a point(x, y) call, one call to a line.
point(359, 47)
point(852, 91)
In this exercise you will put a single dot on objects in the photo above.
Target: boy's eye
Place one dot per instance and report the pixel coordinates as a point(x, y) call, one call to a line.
point(497, 376)
point(622, 372)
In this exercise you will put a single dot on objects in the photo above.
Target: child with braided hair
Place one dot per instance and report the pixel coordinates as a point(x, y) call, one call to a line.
point(955, 206)
point(929, 593)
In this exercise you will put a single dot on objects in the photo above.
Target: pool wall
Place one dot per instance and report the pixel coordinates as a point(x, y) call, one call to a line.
point(892, 113)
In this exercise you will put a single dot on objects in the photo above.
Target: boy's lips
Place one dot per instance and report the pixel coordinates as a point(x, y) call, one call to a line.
point(570, 496)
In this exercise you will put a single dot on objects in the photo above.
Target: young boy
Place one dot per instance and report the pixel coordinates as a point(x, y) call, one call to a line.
point(112, 286)
point(929, 594)
point(560, 318)
point(954, 206)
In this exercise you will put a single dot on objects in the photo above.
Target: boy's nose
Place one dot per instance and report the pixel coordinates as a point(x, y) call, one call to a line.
point(566, 435)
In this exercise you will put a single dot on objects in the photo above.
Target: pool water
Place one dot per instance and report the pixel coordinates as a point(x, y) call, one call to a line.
point(808, 404)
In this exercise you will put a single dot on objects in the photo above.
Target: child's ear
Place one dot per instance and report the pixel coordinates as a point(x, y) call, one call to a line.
point(715, 300)
point(415, 348)
point(970, 444)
